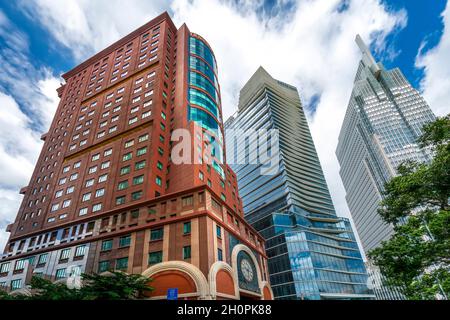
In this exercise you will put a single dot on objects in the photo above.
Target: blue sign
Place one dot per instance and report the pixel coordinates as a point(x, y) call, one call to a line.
point(172, 294)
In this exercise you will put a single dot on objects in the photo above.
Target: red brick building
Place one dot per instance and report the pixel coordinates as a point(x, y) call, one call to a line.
point(106, 193)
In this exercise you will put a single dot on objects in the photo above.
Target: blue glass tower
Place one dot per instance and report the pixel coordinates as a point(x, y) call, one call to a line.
point(204, 96)
point(312, 252)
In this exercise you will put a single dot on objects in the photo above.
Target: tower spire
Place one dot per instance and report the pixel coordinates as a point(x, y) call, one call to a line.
point(367, 56)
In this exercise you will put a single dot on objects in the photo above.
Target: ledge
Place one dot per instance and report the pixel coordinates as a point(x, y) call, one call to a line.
point(23, 190)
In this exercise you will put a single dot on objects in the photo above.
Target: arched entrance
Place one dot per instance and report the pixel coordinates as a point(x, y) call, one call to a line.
point(188, 279)
point(245, 265)
point(223, 283)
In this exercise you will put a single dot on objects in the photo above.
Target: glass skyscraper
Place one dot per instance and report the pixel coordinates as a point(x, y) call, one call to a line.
point(312, 252)
point(384, 118)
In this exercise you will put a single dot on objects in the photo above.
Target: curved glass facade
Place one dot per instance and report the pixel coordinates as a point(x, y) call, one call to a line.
point(201, 49)
point(200, 99)
point(204, 119)
point(199, 80)
point(203, 75)
point(201, 66)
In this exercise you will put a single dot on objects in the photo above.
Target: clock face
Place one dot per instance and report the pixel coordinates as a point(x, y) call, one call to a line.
point(247, 270)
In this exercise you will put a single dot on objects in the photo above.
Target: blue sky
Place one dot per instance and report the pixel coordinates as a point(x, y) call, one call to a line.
point(425, 24)
point(308, 44)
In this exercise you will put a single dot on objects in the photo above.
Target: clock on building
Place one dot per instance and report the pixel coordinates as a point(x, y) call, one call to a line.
point(247, 276)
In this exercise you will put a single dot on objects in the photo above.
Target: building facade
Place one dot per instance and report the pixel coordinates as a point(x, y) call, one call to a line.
point(384, 118)
point(312, 252)
point(109, 193)
point(380, 289)
point(383, 121)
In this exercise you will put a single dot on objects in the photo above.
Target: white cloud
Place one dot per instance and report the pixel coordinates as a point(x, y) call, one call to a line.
point(19, 148)
point(87, 26)
point(436, 83)
point(314, 50)
point(28, 100)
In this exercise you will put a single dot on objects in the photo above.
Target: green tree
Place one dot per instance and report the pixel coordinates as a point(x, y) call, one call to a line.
point(416, 201)
point(113, 285)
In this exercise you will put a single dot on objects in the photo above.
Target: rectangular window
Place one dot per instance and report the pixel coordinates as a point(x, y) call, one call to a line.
point(129, 143)
point(139, 165)
point(107, 245)
point(136, 195)
point(141, 151)
point(125, 241)
point(157, 234)
point(4, 267)
point(120, 200)
point(70, 190)
point(104, 266)
point(219, 231)
point(96, 207)
point(146, 114)
point(83, 211)
point(136, 99)
point(99, 192)
point(20, 265)
point(138, 180)
point(42, 259)
point(54, 207)
point(187, 252)
point(127, 156)
point(122, 263)
point(125, 170)
point(155, 257)
point(103, 178)
point(143, 138)
point(158, 181)
point(89, 182)
point(80, 251)
point(187, 227)
point(66, 203)
point(159, 165)
point(16, 284)
point(132, 120)
point(65, 253)
point(60, 273)
point(219, 255)
point(107, 152)
point(86, 197)
point(122, 185)
point(105, 165)
point(134, 214)
point(187, 201)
